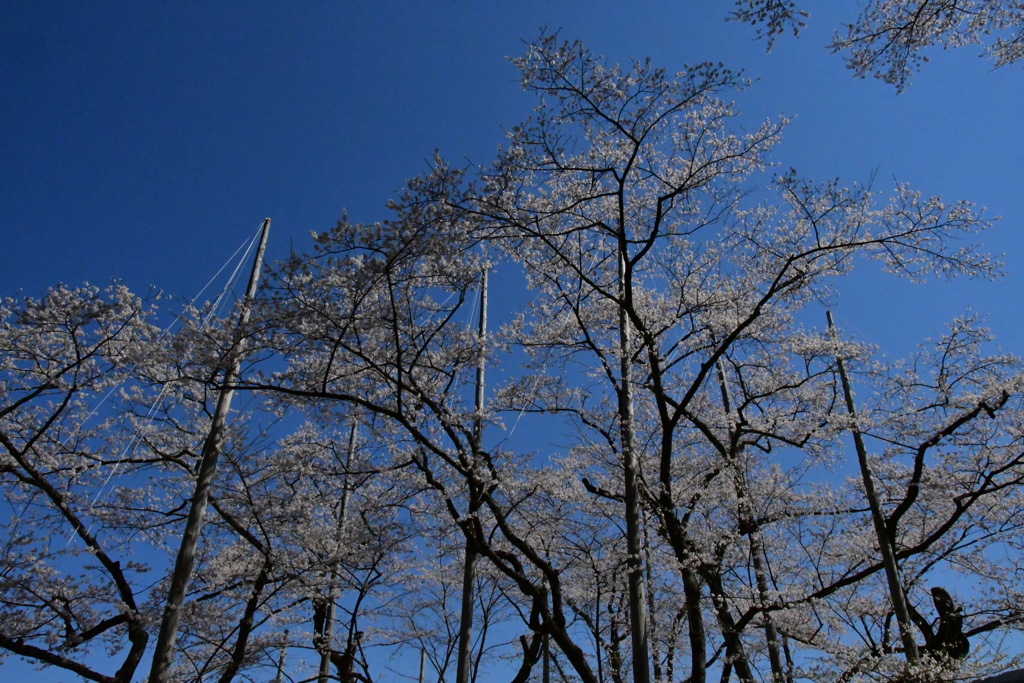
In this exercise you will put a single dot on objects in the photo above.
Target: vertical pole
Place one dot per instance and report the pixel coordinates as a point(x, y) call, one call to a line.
point(481, 363)
point(465, 661)
point(651, 608)
point(423, 665)
point(327, 637)
point(280, 662)
point(885, 547)
point(634, 559)
point(185, 561)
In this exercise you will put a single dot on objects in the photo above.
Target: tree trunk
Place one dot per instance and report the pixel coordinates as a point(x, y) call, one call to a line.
point(245, 627)
point(695, 625)
point(749, 525)
point(736, 655)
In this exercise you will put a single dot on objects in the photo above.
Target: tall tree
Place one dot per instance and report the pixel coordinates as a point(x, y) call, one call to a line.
point(624, 200)
point(945, 460)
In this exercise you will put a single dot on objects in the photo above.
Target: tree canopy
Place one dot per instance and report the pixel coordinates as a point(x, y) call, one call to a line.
point(889, 38)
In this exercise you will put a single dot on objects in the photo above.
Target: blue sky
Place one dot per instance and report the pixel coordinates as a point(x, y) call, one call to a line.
point(144, 141)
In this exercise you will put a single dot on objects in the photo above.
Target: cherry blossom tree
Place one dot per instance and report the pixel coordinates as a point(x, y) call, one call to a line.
point(889, 38)
point(302, 546)
point(948, 459)
point(379, 317)
point(73, 586)
point(103, 414)
point(660, 290)
point(708, 481)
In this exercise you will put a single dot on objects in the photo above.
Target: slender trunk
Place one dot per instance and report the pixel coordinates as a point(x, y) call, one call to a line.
point(546, 667)
point(534, 648)
point(789, 659)
point(614, 651)
point(573, 654)
point(749, 525)
point(245, 627)
point(465, 654)
point(185, 560)
point(634, 559)
point(464, 664)
point(598, 647)
point(771, 634)
point(485, 623)
point(885, 542)
point(695, 625)
point(735, 652)
point(670, 654)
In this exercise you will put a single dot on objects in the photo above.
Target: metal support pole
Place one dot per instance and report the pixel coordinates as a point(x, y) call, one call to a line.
point(465, 660)
point(185, 561)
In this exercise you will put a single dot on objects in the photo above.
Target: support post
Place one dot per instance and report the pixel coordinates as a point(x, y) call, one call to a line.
point(465, 660)
point(634, 560)
point(327, 637)
point(185, 560)
point(885, 546)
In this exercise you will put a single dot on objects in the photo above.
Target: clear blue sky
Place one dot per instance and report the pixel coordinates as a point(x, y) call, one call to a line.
point(144, 141)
